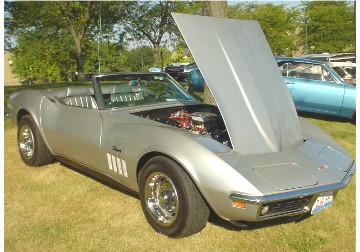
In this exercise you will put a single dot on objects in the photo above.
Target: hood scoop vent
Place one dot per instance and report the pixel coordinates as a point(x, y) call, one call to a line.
point(340, 161)
point(296, 177)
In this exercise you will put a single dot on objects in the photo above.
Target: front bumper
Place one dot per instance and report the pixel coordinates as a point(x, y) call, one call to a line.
point(284, 204)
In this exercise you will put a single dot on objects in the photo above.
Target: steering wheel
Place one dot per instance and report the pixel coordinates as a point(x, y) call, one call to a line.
point(163, 93)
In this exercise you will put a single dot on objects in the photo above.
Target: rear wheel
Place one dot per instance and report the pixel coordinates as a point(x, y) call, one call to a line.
point(171, 202)
point(32, 148)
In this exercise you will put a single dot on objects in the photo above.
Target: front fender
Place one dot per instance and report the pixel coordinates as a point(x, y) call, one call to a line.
point(198, 155)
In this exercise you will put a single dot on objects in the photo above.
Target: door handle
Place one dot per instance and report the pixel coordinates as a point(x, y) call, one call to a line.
point(289, 83)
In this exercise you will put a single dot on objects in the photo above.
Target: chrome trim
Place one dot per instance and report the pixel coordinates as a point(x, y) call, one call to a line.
point(314, 191)
point(26, 142)
point(162, 199)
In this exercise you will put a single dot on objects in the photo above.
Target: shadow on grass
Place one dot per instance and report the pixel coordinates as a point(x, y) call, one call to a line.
point(214, 219)
point(102, 179)
point(247, 225)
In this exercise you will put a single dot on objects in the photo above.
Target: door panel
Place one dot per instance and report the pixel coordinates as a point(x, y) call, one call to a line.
point(316, 96)
point(73, 132)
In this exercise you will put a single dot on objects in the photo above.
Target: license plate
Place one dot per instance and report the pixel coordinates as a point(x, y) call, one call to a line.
point(323, 201)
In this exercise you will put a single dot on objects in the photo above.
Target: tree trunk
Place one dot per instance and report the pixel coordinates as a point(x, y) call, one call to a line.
point(79, 59)
point(78, 31)
point(156, 58)
point(69, 77)
point(213, 9)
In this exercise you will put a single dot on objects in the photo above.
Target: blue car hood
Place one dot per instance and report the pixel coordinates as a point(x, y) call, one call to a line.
point(240, 70)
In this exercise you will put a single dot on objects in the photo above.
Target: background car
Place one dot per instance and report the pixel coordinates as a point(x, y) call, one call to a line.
point(343, 63)
point(174, 69)
point(196, 80)
point(346, 70)
point(315, 87)
point(155, 69)
point(185, 70)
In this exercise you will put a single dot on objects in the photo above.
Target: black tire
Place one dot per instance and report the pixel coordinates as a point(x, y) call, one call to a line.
point(179, 209)
point(32, 149)
point(353, 118)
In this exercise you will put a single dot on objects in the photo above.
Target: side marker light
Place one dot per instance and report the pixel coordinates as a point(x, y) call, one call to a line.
point(238, 204)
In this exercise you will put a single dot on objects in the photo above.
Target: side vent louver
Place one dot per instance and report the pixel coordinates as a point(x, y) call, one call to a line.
point(117, 165)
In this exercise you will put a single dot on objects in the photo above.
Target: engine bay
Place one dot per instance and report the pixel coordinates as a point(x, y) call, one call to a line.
point(201, 119)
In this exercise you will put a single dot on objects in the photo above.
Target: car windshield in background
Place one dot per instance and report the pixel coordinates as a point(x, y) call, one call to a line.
point(126, 90)
point(305, 70)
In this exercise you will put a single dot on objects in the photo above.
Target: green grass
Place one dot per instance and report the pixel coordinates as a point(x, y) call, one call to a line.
point(54, 208)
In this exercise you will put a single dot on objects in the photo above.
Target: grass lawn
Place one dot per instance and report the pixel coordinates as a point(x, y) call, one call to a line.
point(55, 208)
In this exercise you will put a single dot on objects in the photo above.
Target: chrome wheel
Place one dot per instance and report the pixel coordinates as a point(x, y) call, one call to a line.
point(162, 198)
point(26, 142)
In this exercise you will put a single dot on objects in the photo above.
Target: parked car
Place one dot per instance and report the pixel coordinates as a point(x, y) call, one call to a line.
point(346, 70)
point(184, 71)
point(174, 69)
point(155, 69)
point(248, 159)
point(315, 87)
point(343, 63)
point(330, 57)
point(196, 80)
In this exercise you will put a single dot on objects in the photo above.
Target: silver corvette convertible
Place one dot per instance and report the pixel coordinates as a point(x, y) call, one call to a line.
point(250, 158)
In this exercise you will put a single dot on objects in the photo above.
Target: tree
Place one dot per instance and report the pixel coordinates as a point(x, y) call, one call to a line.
point(241, 10)
point(150, 20)
point(278, 23)
point(53, 23)
point(330, 26)
point(78, 17)
point(213, 9)
point(140, 59)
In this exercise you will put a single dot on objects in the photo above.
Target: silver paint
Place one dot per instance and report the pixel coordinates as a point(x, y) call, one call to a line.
point(256, 108)
point(238, 65)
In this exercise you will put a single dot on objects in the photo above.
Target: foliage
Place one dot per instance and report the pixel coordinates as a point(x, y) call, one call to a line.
point(54, 40)
point(179, 56)
point(67, 22)
point(43, 57)
point(330, 26)
point(279, 27)
point(277, 22)
point(153, 21)
point(140, 58)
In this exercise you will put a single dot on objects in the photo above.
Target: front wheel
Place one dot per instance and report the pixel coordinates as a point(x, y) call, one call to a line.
point(32, 148)
point(171, 202)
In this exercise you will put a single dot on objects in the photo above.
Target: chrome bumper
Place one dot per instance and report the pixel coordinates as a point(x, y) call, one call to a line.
point(293, 202)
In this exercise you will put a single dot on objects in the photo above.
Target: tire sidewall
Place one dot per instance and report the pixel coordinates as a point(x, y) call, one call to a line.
point(170, 169)
point(27, 120)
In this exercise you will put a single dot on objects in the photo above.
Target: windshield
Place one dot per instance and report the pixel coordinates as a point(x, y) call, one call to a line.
point(309, 70)
point(132, 89)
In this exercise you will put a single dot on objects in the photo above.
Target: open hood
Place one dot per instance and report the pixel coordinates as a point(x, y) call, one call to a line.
point(240, 70)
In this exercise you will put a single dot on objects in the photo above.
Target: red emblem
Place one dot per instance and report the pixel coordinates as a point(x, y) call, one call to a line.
point(323, 167)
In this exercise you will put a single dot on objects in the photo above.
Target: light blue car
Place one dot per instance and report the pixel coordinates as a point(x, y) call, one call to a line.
point(196, 80)
point(315, 87)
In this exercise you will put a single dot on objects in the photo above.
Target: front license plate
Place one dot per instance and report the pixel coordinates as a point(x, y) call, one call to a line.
point(323, 201)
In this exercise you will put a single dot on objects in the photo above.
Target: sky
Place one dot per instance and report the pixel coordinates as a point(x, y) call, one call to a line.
point(289, 4)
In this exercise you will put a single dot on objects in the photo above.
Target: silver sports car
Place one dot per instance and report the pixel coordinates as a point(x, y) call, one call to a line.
point(250, 158)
